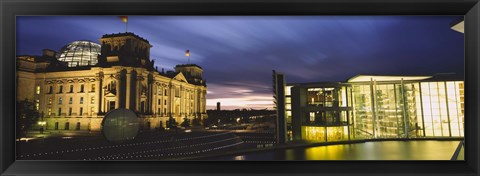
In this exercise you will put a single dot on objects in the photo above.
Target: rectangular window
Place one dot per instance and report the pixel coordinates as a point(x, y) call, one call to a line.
point(177, 92)
point(60, 100)
point(311, 117)
point(78, 126)
point(37, 90)
point(92, 89)
point(165, 111)
point(159, 91)
point(37, 104)
point(82, 87)
point(92, 100)
point(56, 125)
point(60, 89)
point(165, 102)
point(69, 111)
point(49, 111)
point(81, 112)
point(92, 110)
point(59, 111)
point(71, 89)
point(159, 101)
point(50, 89)
point(49, 101)
point(67, 125)
point(165, 92)
point(70, 101)
point(81, 100)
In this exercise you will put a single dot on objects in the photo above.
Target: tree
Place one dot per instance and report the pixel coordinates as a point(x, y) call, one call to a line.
point(196, 122)
point(27, 116)
point(171, 122)
point(186, 122)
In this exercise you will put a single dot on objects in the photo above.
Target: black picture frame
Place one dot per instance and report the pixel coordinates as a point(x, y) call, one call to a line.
point(10, 9)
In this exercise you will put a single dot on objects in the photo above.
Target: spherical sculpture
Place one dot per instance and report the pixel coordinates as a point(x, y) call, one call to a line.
point(120, 125)
point(79, 53)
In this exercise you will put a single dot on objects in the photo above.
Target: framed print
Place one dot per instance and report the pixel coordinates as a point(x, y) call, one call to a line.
point(225, 88)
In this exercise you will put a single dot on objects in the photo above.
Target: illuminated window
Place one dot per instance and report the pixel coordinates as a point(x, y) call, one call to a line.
point(49, 101)
point(92, 110)
point(37, 90)
point(92, 88)
point(312, 117)
point(49, 111)
point(159, 90)
point(37, 104)
point(81, 100)
point(92, 100)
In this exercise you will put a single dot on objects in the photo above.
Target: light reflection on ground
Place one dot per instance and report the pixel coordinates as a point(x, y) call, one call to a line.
point(388, 150)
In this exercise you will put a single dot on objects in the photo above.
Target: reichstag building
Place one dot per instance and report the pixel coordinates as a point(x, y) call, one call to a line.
point(75, 87)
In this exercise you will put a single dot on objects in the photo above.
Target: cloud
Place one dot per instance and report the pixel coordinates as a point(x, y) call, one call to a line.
point(238, 53)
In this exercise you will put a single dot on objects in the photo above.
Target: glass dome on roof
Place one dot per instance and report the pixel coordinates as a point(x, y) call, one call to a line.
point(79, 53)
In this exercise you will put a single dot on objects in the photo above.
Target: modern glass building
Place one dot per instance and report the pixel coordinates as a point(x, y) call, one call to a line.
point(368, 107)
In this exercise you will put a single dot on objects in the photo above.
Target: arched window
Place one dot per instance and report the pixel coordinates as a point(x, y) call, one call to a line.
point(67, 125)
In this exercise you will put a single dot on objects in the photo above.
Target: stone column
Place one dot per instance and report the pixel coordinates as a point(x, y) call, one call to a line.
point(149, 94)
point(99, 93)
point(128, 88)
point(117, 90)
point(138, 92)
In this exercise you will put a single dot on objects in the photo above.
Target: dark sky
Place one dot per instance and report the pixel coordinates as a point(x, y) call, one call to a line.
point(238, 54)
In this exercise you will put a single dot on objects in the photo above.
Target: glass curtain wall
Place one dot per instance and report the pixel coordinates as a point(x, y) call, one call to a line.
point(408, 109)
point(363, 111)
point(443, 108)
point(395, 109)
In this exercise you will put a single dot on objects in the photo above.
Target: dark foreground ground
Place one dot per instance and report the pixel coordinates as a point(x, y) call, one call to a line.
point(229, 145)
point(164, 145)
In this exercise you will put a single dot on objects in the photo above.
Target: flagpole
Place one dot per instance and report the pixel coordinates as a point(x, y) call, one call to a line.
point(126, 26)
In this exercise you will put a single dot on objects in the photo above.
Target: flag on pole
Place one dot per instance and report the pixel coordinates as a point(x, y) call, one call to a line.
point(187, 53)
point(124, 18)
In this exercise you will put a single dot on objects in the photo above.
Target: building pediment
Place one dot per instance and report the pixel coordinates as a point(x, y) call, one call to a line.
point(180, 77)
point(109, 94)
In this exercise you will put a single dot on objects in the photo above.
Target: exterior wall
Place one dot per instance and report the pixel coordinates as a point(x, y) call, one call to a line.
point(132, 87)
point(384, 109)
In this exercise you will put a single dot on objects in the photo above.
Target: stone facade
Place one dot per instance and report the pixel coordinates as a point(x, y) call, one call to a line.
point(77, 98)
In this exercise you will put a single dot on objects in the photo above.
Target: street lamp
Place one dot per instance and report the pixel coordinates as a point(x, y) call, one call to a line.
point(42, 124)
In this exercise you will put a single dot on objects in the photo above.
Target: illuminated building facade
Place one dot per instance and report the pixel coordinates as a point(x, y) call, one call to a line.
point(74, 89)
point(368, 107)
